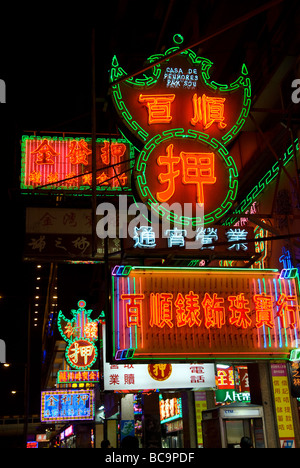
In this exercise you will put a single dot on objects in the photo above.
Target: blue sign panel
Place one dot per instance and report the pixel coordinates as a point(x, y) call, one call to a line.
point(67, 405)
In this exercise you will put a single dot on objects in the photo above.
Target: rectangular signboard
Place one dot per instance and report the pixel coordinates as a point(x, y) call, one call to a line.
point(67, 405)
point(65, 163)
point(62, 234)
point(201, 313)
point(163, 376)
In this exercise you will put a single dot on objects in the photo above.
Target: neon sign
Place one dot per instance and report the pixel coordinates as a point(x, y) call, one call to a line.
point(169, 409)
point(176, 313)
point(50, 163)
point(86, 376)
point(184, 119)
point(219, 240)
point(80, 333)
point(67, 405)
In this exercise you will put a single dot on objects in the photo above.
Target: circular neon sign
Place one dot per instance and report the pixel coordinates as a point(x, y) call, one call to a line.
point(189, 169)
point(81, 354)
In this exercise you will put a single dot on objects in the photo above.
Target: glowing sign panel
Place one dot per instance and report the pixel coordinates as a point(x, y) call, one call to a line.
point(80, 333)
point(66, 163)
point(167, 313)
point(68, 405)
point(184, 119)
point(132, 377)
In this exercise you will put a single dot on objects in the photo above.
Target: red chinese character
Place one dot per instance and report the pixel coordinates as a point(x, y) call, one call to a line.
point(102, 178)
point(79, 152)
point(69, 330)
point(133, 309)
point(198, 169)
point(187, 309)
point(87, 179)
point(35, 177)
point(287, 312)
point(114, 379)
point(129, 379)
point(52, 177)
point(161, 313)
point(44, 153)
point(91, 330)
point(264, 310)
point(214, 312)
point(169, 160)
point(239, 311)
point(159, 107)
point(117, 150)
point(208, 110)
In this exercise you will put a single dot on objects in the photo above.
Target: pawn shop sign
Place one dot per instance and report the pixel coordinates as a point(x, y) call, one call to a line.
point(182, 120)
point(81, 333)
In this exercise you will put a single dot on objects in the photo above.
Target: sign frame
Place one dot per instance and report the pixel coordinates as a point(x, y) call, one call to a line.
point(148, 316)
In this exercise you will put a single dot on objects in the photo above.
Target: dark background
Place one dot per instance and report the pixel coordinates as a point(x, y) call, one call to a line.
point(46, 62)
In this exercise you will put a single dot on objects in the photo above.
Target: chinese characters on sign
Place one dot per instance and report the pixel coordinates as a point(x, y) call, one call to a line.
point(142, 376)
point(205, 312)
point(283, 405)
point(179, 93)
point(67, 405)
point(190, 171)
point(81, 333)
point(77, 376)
point(184, 120)
point(62, 233)
point(66, 163)
point(218, 240)
point(169, 409)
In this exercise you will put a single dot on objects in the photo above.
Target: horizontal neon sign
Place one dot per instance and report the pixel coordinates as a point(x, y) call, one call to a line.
point(77, 376)
point(67, 405)
point(169, 313)
point(66, 163)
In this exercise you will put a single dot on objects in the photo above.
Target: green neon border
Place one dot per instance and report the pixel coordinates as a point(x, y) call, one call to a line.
point(149, 80)
point(85, 190)
point(263, 183)
point(162, 211)
point(79, 381)
point(284, 356)
point(81, 367)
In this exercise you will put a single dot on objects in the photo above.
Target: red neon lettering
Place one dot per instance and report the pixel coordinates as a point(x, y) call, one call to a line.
point(187, 310)
point(286, 312)
point(208, 110)
point(35, 177)
point(214, 312)
point(169, 160)
point(264, 310)
point(45, 153)
point(79, 152)
point(239, 311)
point(117, 150)
point(198, 169)
point(161, 310)
point(159, 107)
point(133, 309)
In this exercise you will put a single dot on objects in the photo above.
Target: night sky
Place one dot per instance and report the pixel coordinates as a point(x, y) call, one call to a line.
point(45, 61)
